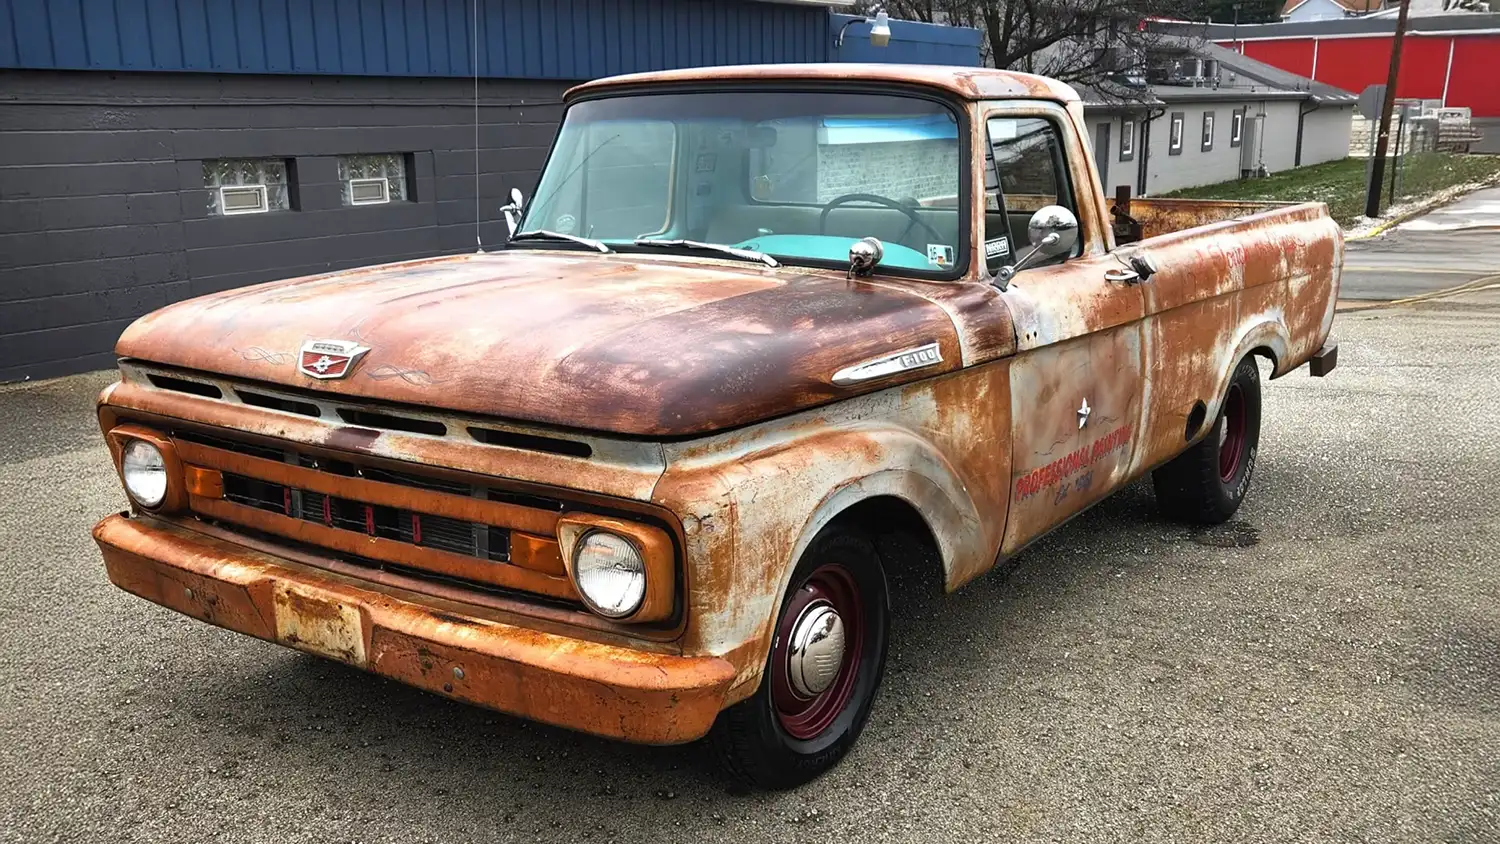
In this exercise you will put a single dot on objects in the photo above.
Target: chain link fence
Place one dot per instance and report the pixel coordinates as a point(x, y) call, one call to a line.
point(1422, 139)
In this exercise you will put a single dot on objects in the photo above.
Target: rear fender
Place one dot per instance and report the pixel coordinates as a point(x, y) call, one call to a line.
point(1267, 332)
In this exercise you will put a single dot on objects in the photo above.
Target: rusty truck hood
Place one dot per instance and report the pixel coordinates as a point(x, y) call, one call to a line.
point(629, 344)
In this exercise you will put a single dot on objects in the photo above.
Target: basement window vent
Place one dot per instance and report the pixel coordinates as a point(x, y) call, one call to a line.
point(247, 185)
point(368, 192)
point(375, 179)
point(243, 199)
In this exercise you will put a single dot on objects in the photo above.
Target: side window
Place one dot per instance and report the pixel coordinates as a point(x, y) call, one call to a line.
point(1025, 169)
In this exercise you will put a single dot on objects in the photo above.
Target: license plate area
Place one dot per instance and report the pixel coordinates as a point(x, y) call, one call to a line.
point(318, 623)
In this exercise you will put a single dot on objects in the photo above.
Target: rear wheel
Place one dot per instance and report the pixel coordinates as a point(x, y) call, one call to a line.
point(1206, 483)
point(825, 665)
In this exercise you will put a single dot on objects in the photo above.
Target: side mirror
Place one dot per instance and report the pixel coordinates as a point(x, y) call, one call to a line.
point(512, 211)
point(1053, 231)
point(864, 254)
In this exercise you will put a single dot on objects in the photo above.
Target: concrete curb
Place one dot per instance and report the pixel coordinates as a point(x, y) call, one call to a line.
point(1431, 205)
point(1473, 285)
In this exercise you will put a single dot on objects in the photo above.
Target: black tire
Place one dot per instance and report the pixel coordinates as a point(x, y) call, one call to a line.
point(751, 739)
point(1205, 484)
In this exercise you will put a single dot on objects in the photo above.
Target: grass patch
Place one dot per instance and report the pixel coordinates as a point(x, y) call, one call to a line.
point(1341, 184)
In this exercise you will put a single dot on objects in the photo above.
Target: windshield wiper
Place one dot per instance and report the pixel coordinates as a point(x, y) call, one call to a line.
point(543, 234)
point(742, 254)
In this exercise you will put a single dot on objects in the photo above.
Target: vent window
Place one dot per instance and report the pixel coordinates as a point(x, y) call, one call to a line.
point(247, 185)
point(373, 179)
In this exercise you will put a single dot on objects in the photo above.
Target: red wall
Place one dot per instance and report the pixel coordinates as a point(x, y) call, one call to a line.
point(1475, 81)
point(1356, 63)
point(1293, 54)
point(1424, 63)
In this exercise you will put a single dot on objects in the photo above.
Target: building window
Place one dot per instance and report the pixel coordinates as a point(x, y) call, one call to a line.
point(1174, 135)
point(1237, 127)
point(1208, 131)
point(373, 179)
point(246, 185)
point(1127, 139)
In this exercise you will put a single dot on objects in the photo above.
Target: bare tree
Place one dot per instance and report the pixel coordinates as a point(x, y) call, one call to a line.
point(1085, 42)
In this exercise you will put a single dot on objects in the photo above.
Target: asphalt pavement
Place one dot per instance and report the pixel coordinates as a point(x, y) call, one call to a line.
point(1454, 245)
point(1326, 667)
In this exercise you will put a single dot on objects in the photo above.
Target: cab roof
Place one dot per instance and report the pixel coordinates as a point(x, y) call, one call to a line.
point(972, 83)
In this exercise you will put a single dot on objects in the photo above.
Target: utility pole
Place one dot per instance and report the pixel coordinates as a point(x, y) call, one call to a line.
point(1236, 38)
point(1382, 140)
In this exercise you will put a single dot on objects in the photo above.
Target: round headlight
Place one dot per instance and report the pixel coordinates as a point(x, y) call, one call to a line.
point(610, 573)
point(145, 473)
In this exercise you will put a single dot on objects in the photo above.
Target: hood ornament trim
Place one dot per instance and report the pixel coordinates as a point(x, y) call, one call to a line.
point(903, 361)
point(329, 359)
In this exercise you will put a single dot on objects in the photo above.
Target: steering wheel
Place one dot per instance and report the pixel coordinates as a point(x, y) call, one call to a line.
point(878, 200)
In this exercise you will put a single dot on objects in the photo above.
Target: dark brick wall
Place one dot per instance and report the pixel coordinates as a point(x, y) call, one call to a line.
point(104, 217)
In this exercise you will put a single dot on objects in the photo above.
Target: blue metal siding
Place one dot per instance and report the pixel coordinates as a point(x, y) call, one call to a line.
point(911, 43)
point(538, 39)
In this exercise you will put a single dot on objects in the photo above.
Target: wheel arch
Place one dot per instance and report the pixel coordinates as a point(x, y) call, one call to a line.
point(914, 506)
point(1265, 337)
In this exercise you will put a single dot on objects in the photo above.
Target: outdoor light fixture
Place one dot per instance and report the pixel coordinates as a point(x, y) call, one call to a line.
point(880, 29)
point(880, 32)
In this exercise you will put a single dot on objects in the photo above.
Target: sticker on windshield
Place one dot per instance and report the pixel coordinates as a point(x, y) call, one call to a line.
point(997, 247)
point(566, 223)
point(939, 255)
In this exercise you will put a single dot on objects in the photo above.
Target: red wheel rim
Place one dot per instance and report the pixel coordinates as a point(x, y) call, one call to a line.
point(1232, 434)
point(805, 717)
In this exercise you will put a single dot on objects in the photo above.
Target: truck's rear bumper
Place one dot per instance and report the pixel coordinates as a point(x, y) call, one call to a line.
point(607, 690)
point(1324, 360)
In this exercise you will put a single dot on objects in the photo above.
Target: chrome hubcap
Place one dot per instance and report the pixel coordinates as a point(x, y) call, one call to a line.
point(817, 650)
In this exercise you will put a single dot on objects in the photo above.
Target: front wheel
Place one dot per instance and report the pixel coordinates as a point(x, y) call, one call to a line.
point(1206, 483)
point(825, 665)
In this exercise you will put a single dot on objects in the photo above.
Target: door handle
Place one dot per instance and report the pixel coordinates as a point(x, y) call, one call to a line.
point(1122, 276)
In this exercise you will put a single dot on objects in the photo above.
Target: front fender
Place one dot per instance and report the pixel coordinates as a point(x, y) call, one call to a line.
point(752, 501)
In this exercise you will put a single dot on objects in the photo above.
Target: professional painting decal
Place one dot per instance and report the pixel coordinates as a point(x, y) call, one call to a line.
point(1039, 479)
point(329, 359)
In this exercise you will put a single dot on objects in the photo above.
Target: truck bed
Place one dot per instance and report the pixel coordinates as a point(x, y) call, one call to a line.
point(1164, 216)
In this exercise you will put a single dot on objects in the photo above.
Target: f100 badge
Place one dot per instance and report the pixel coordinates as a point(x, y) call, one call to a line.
point(903, 361)
point(329, 359)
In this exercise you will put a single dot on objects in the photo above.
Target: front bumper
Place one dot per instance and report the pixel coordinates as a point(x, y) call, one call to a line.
point(603, 689)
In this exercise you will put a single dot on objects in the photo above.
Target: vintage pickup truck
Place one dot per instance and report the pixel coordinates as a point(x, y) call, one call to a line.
point(643, 471)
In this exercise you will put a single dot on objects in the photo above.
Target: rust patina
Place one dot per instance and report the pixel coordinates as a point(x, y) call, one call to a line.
point(511, 391)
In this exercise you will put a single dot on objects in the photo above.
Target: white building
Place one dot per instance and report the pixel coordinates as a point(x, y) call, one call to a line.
point(1299, 11)
point(1223, 117)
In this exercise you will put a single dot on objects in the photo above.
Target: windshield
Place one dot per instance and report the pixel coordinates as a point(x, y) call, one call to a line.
point(796, 175)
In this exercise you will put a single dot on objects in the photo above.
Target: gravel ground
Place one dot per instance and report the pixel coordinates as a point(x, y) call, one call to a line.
point(1325, 668)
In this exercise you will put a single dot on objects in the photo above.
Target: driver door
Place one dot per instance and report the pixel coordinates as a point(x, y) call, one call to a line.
point(1077, 377)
